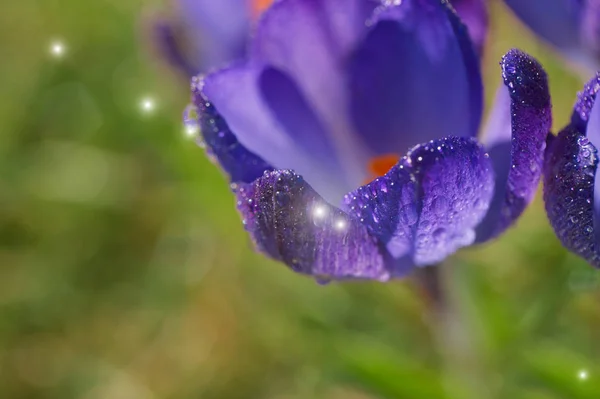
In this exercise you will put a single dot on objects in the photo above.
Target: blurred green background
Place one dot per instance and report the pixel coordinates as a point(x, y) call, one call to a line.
point(125, 272)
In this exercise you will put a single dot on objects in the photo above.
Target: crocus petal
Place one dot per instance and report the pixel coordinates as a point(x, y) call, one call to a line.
point(290, 222)
point(430, 202)
point(388, 206)
point(270, 117)
point(556, 21)
point(307, 40)
point(474, 14)
point(569, 170)
point(516, 138)
point(219, 30)
point(586, 119)
point(239, 163)
point(415, 78)
point(584, 104)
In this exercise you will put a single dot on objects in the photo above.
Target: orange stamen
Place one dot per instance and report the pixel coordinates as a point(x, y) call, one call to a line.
point(258, 6)
point(381, 164)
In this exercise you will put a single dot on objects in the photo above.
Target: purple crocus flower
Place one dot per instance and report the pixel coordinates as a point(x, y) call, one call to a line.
point(218, 31)
point(349, 136)
point(571, 187)
point(571, 26)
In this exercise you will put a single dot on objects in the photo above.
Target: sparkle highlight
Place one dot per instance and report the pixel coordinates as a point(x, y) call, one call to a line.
point(147, 105)
point(57, 49)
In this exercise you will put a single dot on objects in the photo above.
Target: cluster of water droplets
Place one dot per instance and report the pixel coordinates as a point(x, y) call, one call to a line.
point(290, 222)
point(456, 185)
point(569, 191)
point(430, 202)
point(531, 120)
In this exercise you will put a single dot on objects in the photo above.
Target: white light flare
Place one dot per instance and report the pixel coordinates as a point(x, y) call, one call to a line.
point(583, 375)
point(191, 131)
point(57, 49)
point(147, 105)
point(340, 225)
point(319, 212)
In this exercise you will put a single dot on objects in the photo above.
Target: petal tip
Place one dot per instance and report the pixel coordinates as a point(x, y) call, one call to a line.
point(585, 102)
point(525, 77)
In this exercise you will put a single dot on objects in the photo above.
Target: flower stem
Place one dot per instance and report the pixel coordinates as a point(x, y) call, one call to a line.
point(465, 374)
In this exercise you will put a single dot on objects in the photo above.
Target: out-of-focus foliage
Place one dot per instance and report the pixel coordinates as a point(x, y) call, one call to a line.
point(125, 272)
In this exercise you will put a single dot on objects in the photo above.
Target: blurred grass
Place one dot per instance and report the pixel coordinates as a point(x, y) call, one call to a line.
point(125, 273)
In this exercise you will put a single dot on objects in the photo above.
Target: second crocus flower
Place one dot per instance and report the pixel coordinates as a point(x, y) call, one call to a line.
point(571, 186)
point(351, 135)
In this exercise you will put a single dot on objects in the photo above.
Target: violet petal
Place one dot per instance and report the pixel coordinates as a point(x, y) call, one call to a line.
point(415, 78)
point(516, 139)
point(569, 173)
point(271, 118)
point(430, 202)
point(290, 222)
point(239, 163)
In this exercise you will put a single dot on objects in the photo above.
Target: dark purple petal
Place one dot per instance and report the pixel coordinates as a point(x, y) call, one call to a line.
point(586, 118)
point(241, 165)
point(474, 14)
point(430, 202)
point(290, 222)
point(593, 135)
point(556, 21)
point(516, 138)
point(569, 173)
point(271, 118)
point(294, 114)
point(414, 78)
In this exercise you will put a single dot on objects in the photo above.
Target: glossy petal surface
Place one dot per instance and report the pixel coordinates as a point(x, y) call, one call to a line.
point(271, 118)
point(308, 40)
point(414, 78)
point(429, 204)
point(291, 223)
point(569, 173)
point(586, 118)
point(516, 138)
